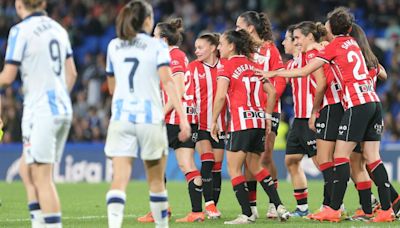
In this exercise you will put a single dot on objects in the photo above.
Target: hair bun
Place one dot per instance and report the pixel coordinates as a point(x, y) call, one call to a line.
point(177, 23)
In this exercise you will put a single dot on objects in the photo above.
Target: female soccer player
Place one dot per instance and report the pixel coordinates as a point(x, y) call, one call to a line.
point(259, 27)
point(135, 64)
point(40, 48)
point(171, 33)
point(359, 172)
point(238, 83)
point(359, 100)
point(326, 102)
point(204, 72)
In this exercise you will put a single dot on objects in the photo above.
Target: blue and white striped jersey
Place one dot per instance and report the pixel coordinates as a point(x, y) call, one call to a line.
point(40, 46)
point(135, 63)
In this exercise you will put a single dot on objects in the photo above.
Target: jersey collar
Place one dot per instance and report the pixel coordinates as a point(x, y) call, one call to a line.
point(35, 14)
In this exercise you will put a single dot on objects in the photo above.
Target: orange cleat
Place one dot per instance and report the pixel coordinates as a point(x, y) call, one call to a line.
point(327, 214)
point(384, 216)
point(361, 216)
point(148, 218)
point(192, 217)
point(212, 211)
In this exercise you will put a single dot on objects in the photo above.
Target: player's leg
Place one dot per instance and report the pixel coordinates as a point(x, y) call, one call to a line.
point(218, 150)
point(153, 142)
point(31, 193)
point(186, 163)
point(324, 158)
point(362, 183)
point(207, 158)
point(122, 147)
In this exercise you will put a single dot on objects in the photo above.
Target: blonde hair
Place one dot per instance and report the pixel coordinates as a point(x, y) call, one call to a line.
point(34, 4)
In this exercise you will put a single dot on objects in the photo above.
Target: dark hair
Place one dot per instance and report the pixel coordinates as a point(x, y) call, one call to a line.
point(290, 29)
point(261, 23)
point(131, 18)
point(213, 39)
point(244, 43)
point(340, 20)
point(359, 35)
point(172, 31)
point(317, 30)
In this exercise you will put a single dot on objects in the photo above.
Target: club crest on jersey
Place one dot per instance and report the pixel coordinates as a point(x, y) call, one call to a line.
point(253, 114)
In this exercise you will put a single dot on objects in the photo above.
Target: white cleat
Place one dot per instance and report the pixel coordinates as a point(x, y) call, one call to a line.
point(283, 214)
point(272, 213)
point(254, 211)
point(241, 219)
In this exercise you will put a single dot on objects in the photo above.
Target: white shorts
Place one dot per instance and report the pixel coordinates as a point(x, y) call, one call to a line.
point(44, 138)
point(125, 139)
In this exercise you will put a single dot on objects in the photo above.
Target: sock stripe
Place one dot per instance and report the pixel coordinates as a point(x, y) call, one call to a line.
point(363, 185)
point(252, 196)
point(52, 219)
point(207, 157)
point(115, 200)
point(192, 175)
point(262, 175)
point(217, 167)
point(341, 161)
point(372, 166)
point(158, 198)
point(325, 166)
point(34, 206)
point(238, 180)
point(300, 196)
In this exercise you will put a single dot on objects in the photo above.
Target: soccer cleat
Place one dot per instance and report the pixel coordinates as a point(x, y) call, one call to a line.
point(241, 219)
point(212, 211)
point(299, 213)
point(362, 217)
point(328, 214)
point(192, 217)
point(272, 213)
point(310, 216)
point(358, 212)
point(343, 212)
point(148, 218)
point(254, 211)
point(375, 204)
point(396, 206)
point(283, 214)
point(384, 216)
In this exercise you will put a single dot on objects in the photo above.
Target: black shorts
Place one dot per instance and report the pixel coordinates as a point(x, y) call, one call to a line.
point(276, 118)
point(358, 149)
point(362, 123)
point(301, 139)
point(173, 141)
point(250, 140)
point(205, 135)
point(328, 122)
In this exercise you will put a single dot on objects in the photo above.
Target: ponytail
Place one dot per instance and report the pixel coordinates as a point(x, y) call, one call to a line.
point(172, 31)
point(131, 18)
point(261, 23)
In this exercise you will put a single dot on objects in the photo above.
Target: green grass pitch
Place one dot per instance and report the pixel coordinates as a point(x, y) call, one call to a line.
point(83, 205)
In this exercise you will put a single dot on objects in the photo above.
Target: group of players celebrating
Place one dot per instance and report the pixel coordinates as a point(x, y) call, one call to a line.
point(226, 99)
point(232, 91)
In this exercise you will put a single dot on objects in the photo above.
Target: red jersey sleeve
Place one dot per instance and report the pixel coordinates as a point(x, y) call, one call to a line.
point(223, 69)
point(275, 62)
point(178, 62)
point(328, 53)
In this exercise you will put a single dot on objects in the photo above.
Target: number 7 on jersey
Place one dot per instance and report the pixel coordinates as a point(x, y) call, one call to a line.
point(135, 64)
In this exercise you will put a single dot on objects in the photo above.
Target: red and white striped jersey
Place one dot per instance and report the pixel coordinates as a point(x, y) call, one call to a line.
point(205, 83)
point(349, 64)
point(245, 94)
point(332, 93)
point(373, 74)
point(301, 89)
point(270, 59)
point(179, 64)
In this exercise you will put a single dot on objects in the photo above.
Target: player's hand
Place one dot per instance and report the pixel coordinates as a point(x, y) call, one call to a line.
point(215, 132)
point(268, 126)
point(186, 131)
point(311, 122)
point(265, 75)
